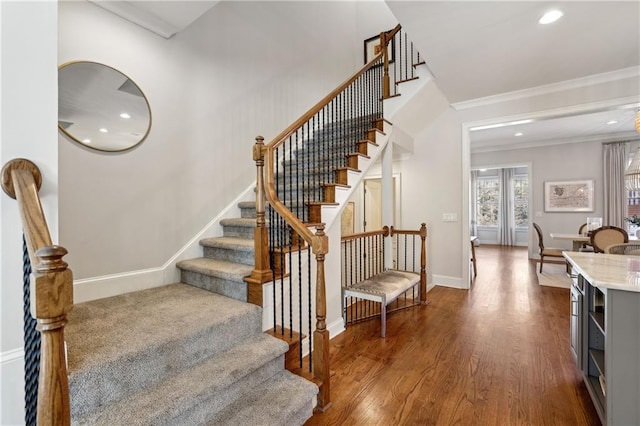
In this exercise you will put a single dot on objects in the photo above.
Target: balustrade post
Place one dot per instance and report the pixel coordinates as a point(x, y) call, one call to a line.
point(386, 84)
point(321, 372)
point(261, 272)
point(51, 300)
point(423, 265)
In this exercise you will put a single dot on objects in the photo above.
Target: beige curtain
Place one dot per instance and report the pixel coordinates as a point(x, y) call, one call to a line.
point(615, 195)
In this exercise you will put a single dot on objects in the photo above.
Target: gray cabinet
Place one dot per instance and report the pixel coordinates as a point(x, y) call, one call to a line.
point(611, 352)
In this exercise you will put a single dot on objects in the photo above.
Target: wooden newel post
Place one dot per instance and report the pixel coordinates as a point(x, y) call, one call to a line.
point(51, 300)
point(320, 247)
point(386, 83)
point(423, 265)
point(261, 272)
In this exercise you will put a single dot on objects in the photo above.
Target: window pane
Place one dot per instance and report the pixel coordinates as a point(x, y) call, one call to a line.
point(521, 200)
point(487, 202)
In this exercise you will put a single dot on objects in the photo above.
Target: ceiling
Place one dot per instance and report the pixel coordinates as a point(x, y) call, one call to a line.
point(480, 49)
point(477, 50)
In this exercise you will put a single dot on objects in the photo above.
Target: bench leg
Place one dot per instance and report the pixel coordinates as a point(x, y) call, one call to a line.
point(383, 318)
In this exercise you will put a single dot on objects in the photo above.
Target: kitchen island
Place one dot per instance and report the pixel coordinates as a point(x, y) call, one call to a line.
point(605, 332)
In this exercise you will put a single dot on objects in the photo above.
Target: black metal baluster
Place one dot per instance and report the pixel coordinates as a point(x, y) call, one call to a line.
point(31, 344)
point(309, 298)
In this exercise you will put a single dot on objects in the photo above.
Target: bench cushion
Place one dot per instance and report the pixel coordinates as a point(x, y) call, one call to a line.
point(391, 283)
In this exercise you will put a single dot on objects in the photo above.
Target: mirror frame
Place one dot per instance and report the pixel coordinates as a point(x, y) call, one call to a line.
point(144, 97)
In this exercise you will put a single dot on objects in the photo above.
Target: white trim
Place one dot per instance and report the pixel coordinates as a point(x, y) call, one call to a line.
point(445, 281)
point(125, 282)
point(606, 77)
point(12, 355)
point(336, 328)
point(507, 145)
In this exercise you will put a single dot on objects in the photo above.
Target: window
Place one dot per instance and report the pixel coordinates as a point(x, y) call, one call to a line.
point(488, 199)
point(521, 200)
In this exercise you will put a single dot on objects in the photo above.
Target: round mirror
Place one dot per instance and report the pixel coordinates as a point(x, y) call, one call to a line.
point(100, 107)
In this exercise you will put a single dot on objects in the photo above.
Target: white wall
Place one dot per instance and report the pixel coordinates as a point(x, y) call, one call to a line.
point(556, 162)
point(28, 110)
point(242, 69)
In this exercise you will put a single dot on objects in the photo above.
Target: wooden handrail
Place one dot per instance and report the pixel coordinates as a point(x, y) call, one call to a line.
point(384, 232)
point(264, 156)
point(278, 140)
point(51, 291)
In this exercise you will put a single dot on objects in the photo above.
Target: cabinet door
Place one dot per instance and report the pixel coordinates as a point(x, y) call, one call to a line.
point(576, 326)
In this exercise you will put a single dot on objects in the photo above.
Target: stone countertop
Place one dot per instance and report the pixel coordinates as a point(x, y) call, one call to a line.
point(607, 271)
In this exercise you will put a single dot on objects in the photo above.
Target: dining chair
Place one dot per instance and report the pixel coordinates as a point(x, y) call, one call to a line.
point(632, 249)
point(605, 236)
point(585, 247)
point(545, 251)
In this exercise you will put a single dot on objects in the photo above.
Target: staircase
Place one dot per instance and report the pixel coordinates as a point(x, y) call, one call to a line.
point(193, 353)
point(186, 353)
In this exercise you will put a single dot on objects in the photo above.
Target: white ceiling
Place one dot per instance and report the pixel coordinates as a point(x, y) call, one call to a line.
point(479, 49)
point(165, 18)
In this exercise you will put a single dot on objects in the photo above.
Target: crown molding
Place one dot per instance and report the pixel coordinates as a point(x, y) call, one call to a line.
point(591, 80)
point(507, 146)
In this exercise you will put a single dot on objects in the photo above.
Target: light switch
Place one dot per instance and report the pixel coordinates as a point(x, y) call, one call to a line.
point(449, 217)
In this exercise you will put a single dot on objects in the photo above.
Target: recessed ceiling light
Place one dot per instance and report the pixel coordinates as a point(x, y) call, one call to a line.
point(550, 16)
point(612, 121)
point(125, 115)
point(495, 126)
point(103, 130)
point(482, 170)
point(518, 134)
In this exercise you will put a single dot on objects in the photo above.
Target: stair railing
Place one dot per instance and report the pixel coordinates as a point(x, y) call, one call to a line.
point(51, 291)
point(298, 173)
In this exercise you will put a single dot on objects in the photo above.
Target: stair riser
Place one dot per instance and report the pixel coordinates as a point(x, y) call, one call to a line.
point(248, 213)
point(231, 255)
point(95, 388)
point(201, 414)
point(226, 287)
point(238, 231)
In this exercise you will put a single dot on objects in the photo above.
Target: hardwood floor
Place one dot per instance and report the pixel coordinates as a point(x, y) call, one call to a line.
point(497, 354)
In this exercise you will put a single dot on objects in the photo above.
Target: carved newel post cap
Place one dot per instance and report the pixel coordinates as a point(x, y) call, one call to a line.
point(52, 286)
point(51, 259)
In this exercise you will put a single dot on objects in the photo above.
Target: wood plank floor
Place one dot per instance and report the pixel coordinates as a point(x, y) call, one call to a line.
point(497, 354)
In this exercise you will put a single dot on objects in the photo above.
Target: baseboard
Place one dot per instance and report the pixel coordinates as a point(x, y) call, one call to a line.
point(336, 328)
point(445, 281)
point(126, 282)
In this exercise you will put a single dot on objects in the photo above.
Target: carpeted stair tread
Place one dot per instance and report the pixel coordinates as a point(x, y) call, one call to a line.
point(216, 268)
point(192, 395)
point(234, 243)
point(164, 328)
point(284, 399)
point(247, 204)
point(240, 222)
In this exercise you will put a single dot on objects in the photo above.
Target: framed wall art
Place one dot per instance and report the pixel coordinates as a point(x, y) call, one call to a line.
point(372, 47)
point(568, 196)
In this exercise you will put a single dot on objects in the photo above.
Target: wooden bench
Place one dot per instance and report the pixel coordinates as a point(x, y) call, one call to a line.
point(366, 277)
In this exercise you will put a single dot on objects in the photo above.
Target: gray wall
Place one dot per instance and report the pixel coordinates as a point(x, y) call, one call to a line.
point(552, 163)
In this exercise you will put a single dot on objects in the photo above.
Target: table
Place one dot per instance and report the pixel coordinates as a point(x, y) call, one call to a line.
point(578, 239)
